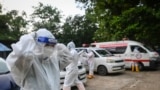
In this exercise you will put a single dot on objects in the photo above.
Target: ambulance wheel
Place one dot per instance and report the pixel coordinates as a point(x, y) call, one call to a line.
point(102, 70)
point(140, 66)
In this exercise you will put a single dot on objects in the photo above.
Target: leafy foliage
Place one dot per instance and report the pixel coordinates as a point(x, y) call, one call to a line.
point(11, 25)
point(45, 16)
point(79, 29)
point(136, 19)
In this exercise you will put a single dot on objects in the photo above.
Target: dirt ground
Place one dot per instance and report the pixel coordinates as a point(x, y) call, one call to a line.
point(145, 80)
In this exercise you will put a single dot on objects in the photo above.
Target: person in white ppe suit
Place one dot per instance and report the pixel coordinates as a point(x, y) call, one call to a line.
point(87, 58)
point(71, 76)
point(91, 62)
point(36, 61)
point(136, 50)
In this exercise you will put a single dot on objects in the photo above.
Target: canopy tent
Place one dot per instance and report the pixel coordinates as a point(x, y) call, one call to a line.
point(4, 48)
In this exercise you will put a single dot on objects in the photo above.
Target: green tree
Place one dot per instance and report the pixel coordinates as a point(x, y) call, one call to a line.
point(79, 29)
point(3, 25)
point(16, 24)
point(45, 16)
point(137, 19)
point(4, 29)
point(11, 25)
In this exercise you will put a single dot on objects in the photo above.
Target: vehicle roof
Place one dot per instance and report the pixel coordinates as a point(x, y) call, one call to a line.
point(116, 43)
point(93, 48)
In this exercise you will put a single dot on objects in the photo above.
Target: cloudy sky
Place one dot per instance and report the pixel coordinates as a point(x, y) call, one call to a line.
point(68, 7)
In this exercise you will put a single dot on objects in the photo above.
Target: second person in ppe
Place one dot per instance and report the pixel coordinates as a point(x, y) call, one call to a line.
point(72, 70)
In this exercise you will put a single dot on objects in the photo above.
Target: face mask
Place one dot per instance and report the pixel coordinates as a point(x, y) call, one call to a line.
point(48, 51)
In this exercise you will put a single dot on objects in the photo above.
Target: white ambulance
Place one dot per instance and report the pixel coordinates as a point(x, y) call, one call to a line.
point(131, 52)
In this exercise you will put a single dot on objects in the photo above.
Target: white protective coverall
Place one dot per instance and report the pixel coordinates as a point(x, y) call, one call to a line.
point(91, 63)
point(34, 64)
point(87, 58)
point(136, 50)
point(72, 70)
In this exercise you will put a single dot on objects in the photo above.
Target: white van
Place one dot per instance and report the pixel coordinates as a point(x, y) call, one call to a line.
point(105, 62)
point(143, 56)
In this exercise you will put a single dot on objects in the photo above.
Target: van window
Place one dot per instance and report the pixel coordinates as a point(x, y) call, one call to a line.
point(95, 55)
point(149, 48)
point(117, 50)
point(85, 50)
point(103, 52)
point(139, 49)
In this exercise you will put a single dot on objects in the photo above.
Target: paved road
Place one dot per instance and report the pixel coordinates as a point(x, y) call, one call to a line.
point(145, 80)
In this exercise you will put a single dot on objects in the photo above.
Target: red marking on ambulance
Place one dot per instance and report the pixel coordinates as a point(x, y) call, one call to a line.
point(129, 60)
point(113, 45)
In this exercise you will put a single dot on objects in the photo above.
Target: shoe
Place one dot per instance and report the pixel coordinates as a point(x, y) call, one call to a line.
point(90, 76)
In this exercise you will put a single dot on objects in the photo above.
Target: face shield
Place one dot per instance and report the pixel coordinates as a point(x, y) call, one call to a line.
point(47, 44)
point(45, 41)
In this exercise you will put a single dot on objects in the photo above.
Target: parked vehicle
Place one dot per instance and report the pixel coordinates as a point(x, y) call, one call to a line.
point(105, 62)
point(6, 80)
point(144, 56)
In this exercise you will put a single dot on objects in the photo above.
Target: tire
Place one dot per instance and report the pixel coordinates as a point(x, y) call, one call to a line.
point(102, 70)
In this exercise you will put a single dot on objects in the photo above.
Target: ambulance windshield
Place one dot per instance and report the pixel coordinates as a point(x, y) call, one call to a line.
point(104, 53)
point(149, 48)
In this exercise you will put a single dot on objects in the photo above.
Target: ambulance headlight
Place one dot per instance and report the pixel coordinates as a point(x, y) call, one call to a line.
point(110, 61)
